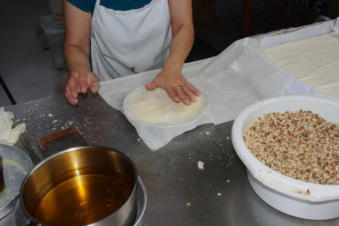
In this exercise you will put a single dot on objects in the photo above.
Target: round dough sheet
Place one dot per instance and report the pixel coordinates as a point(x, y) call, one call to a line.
point(155, 107)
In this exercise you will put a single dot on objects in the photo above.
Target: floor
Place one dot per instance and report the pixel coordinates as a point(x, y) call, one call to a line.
point(28, 70)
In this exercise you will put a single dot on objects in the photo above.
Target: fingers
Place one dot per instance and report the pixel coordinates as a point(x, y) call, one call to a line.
point(189, 94)
point(183, 95)
point(192, 89)
point(93, 82)
point(80, 83)
point(176, 86)
point(171, 92)
point(69, 96)
point(153, 85)
point(94, 87)
point(71, 91)
point(72, 85)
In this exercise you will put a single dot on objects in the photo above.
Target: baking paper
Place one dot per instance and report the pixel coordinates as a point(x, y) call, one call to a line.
point(237, 77)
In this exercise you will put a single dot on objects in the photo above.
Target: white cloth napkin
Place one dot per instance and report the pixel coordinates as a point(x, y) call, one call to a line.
point(9, 135)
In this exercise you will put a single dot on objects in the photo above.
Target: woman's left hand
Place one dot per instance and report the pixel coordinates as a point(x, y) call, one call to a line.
point(176, 86)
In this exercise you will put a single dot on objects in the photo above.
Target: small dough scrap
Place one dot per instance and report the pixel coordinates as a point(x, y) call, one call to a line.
point(155, 107)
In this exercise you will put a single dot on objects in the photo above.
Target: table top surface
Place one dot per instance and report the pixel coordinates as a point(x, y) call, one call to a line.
point(179, 193)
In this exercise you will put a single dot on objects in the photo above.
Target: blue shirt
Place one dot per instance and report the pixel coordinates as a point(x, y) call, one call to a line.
point(121, 5)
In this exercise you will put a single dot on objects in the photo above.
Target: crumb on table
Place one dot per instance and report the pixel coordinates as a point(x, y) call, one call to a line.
point(201, 165)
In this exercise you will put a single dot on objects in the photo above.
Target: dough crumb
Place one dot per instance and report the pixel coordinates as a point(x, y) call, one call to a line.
point(219, 194)
point(201, 165)
point(50, 115)
point(188, 204)
point(207, 133)
point(228, 181)
point(55, 121)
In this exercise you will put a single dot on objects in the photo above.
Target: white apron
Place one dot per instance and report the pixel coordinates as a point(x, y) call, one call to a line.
point(126, 42)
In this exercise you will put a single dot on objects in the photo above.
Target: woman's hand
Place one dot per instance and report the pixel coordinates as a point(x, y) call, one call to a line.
point(176, 86)
point(80, 82)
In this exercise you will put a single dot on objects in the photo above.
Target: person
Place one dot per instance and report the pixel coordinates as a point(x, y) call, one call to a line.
point(123, 37)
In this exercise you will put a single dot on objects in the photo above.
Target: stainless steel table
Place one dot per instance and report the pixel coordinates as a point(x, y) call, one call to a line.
point(179, 193)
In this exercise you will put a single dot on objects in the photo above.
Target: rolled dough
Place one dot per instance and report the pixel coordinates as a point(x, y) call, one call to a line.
point(314, 61)
point(157, 108)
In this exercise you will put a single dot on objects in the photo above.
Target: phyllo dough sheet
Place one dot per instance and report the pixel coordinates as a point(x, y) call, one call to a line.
point(314, 61)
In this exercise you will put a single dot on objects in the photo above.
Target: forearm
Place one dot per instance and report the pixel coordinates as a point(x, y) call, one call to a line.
point(76, 59)
point(180, 47)
point(170, 77)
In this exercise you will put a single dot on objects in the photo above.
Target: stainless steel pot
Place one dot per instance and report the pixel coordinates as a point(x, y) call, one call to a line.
point(90, 185)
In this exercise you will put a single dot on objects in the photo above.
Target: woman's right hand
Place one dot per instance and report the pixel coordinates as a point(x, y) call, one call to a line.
point(80, 82)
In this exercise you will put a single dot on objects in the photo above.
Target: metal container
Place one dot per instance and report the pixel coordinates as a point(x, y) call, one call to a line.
point(90, 185)
point(16, 164)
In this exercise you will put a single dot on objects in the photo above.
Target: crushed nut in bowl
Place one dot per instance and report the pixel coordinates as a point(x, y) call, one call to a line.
point(299, 144)
point(290, 147)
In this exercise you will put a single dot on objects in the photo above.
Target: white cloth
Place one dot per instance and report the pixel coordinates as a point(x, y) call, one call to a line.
point(283, 36)
point(237, 77)
point(123, 41)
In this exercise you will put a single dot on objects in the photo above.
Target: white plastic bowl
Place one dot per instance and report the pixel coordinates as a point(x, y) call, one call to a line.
point(279, 191)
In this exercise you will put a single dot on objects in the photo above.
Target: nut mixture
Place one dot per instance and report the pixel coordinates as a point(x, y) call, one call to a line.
point(298, 144)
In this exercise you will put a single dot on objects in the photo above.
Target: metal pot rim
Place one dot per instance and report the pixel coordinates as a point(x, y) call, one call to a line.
point(71, 149)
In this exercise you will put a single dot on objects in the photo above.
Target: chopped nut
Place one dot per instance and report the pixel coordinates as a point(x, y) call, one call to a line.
point(301, 145)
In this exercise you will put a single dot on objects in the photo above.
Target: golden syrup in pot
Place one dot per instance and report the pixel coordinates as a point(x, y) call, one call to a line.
point(83, 199)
